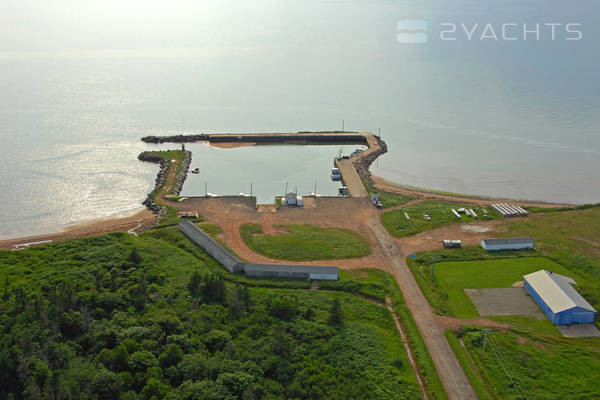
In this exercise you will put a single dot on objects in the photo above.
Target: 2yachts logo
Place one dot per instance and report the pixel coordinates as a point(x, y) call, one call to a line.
point(412, 31)
point(415, 31)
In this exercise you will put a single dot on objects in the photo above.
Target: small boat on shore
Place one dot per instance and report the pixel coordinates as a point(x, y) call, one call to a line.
point(195, 171)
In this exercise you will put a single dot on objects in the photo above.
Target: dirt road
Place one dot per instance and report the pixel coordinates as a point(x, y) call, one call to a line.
point(451, 373)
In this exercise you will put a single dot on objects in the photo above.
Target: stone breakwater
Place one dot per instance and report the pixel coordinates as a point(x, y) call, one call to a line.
point(363, 164)
point(264, 138)
point(182, 171)
point(175, 138)
point(161, 178)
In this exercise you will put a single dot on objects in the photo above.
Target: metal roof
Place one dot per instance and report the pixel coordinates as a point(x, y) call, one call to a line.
point(516, 240)
point(556, 291)
point(292, 268)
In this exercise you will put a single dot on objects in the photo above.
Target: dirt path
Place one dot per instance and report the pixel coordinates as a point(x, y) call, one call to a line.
point(455, 324)
point(451, 373)
point(404, 336)
point(409, 352)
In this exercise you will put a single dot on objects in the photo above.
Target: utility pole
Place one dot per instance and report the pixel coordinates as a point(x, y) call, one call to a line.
point(286, 188)
point(206, 188)
point(250, 188)
point(433, 261)
point(485, 332)
point(315, 188)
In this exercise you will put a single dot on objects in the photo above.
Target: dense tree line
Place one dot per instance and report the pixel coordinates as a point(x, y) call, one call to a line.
point(102, 321)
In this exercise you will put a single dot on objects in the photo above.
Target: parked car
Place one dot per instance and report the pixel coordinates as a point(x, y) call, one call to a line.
point(335, 174)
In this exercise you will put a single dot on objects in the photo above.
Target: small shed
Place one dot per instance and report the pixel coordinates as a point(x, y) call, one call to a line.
point(452, 244)
point(557, 297)
point(519, 243)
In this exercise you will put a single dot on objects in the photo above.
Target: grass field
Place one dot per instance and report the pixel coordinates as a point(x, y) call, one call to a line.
point(531, 359)
point(440, 212)
point(387, 199)
point(391, 199)
point(305, 242)
point(212, 229)
point(453, 277)
point(522, 362)
point(381, 285)
point(571, 238)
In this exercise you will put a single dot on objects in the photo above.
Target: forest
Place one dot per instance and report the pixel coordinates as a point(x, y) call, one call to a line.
point(120, 317)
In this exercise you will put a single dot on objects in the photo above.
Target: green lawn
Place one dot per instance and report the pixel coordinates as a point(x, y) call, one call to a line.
point(440, 212)
point(305, 242)
point(212, 229)
point(453, 277)
point(391, 199)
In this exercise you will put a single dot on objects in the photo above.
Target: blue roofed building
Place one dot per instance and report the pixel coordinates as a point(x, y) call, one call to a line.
point(558, 298)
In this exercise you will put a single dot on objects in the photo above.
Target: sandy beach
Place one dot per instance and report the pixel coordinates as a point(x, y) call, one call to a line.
point(139, 221)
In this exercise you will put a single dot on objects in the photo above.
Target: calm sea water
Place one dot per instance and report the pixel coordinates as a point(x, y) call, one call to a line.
point(263, 171)
point(81, 82)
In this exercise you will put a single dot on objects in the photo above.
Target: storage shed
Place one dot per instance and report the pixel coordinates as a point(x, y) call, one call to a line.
point(292, 271)
point(519, 243)
point(558, 298)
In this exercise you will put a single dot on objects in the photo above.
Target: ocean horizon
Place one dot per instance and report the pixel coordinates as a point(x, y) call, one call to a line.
point(512, 119)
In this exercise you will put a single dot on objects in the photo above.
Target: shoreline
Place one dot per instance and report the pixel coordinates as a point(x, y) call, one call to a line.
point(425, 193)
point(123, 222)
point(143, 218)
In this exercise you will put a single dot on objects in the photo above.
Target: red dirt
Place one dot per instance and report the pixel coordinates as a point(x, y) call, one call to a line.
point(431, 240)
point(455, 324)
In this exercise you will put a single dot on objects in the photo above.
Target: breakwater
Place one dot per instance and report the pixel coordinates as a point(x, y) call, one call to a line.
point(265, 138)
point(174, 138)
point(161, 179)
point(362, 164)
